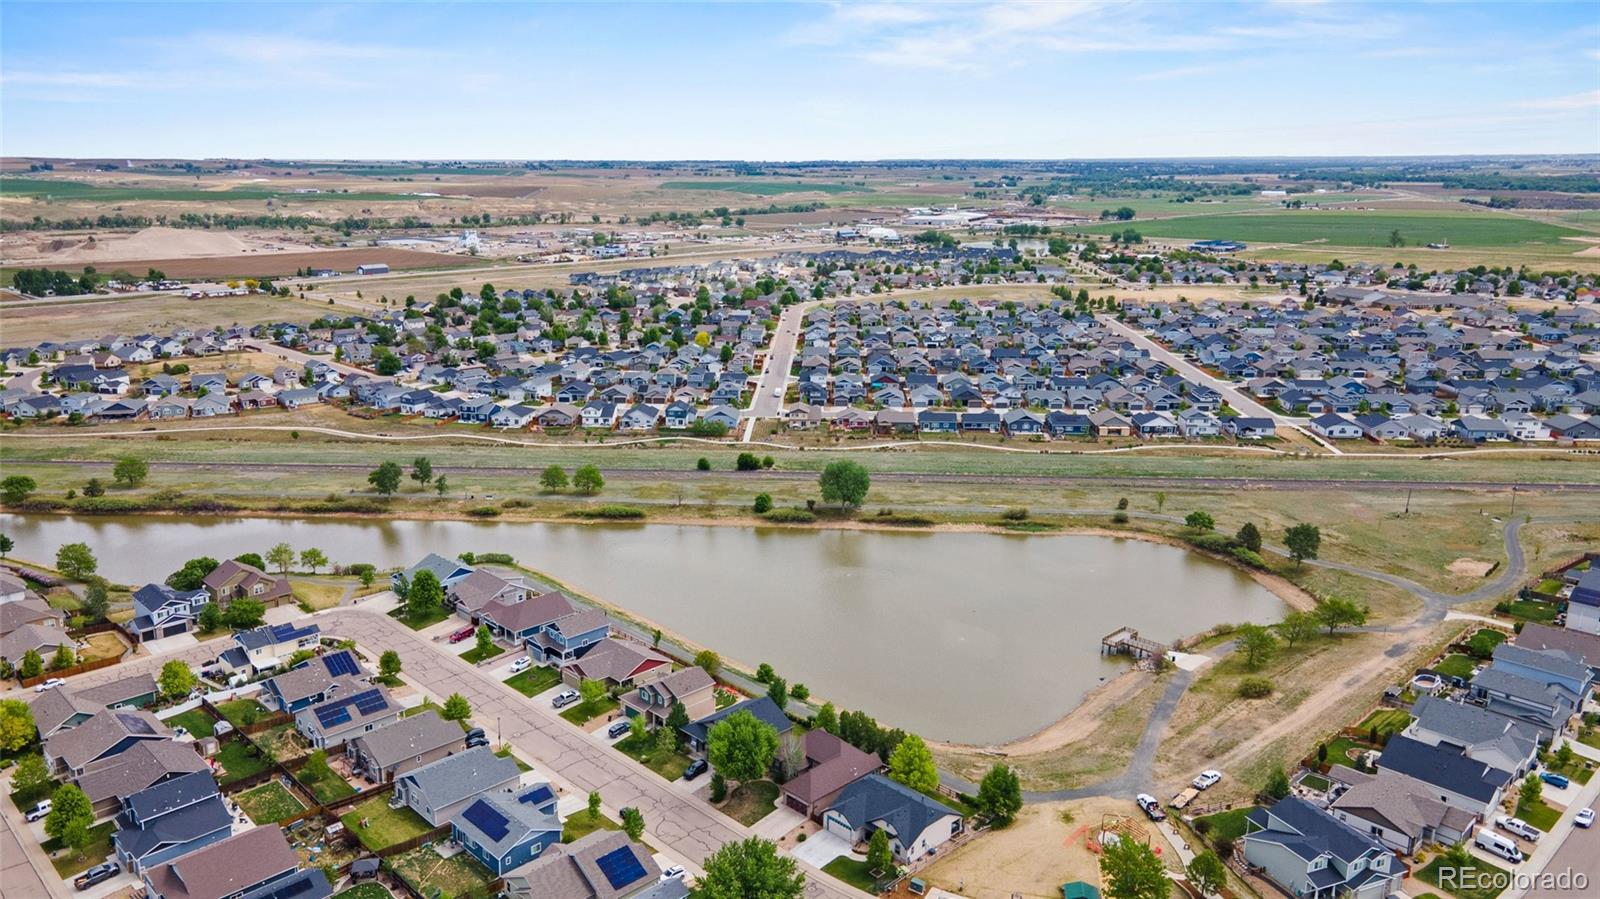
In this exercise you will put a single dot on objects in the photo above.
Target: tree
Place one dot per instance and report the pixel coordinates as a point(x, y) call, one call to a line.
point(709, 660)
point(1257, 643)
point(456, 708)
point(254, 560)
point(1200, 521)
point(424, 596)
point(389, 663)
point(1303, 541)
point(485, 641)
point(243, 613)
point(1531, 792)
point(702, 464)
point(677, 718)
point(6, 545)
point(1336, 612)
point(96, 602)
point(32, 665)
point(750, 868)
point(31, 776)
point(1208, 873)
point(210, 617)
point(1277, 784)
point(763, 503)
point(1000, 794)
point(62, 658)
point(912, 764)
point(193, 573)
point(778, 691)
point(130, 471)
point(1297, 626)
point(553, 478)
point(70, 812)
point(15, 489)
point(441, 486)
point(591, 690)
point(386, 478)
point(747, 462)
point(594, 804)
point(845, 483)
point(800, 692)
point(16, 725)
point(879, 857)
point(312, 559)
point(176, 679)
point(76, 561)
point(588, 480)
point(95, 487)
point(1249, 537)
point(281, 557)
point(827, 719)
point(1131, 870)
point(742, 746)
point(421, 470)
point(633, 823)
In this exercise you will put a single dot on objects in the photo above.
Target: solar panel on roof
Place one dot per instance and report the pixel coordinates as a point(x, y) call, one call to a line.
point(340, 663)
point(369, 702)
point(537, 795)
point(135, 724)
point(487, 819)
point(621, 867)
point(332, 716)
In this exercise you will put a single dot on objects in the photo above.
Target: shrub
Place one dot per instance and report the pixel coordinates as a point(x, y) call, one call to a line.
point(915, 521)
point(791, 516)
point(609, 512)
point(1119, 518)
point(483, 512)
point(1211, 541)
point(763, 504)
point(1255, 687)
point(1017, 514)
point(495, 559)
point(1247, 557)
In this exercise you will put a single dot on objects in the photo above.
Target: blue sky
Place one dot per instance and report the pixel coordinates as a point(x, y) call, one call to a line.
point(797, 81)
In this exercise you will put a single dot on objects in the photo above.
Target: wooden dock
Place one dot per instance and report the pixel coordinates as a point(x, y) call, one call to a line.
point(1126, 641)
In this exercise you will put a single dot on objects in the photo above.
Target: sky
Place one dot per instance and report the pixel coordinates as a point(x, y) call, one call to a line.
point(786, 81)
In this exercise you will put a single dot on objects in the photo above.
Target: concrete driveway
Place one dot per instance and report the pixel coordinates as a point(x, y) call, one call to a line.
point(782, 820)
point(820, 848)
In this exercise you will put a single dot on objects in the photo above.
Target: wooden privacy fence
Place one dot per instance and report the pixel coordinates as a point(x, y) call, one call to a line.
point(70, 670)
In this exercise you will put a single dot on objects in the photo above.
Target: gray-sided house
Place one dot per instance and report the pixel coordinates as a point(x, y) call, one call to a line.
point(1470, 785)
point(409, 743)
point(617, 663)
point(1397, 810)
point(1541, 688)
point(102, 736)
point(1481, 735)
point(602, 865)
point(146, 764)
point(160, 611)
point(1311, 854)
point(170, 819)
point(448, 571)
point(264, 648)
point(691, 686)
point(915, 824)
point(568, 637)
point(505, 831)
point(437, 791)
point(470, 594)
point(762, 707)
point(355, 709)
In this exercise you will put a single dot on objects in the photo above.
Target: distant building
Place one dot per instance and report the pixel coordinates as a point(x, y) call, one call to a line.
point(373, 268)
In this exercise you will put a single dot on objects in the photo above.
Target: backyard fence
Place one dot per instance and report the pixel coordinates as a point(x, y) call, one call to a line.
point(70, 670)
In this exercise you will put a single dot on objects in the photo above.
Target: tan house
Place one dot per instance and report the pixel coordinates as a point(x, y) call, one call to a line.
point(409, 743)
point(691, 686)
point(236, 580)
point(617, 663)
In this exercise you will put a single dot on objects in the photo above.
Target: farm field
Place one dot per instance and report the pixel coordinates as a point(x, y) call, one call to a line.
point(767, 188)
point(66, 189)
point(286, 264)
point(1356, 229)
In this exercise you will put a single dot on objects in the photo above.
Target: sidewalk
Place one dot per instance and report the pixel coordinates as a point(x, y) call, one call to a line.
point(1552, 841)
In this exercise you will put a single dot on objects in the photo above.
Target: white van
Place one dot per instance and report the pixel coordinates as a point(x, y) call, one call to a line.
point(1519, 827)
point(1491, 842)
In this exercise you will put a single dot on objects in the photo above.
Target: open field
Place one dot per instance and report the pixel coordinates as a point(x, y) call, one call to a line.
point(767, 188)
point(1357, 229)
point(69, 189)
point(277, 265)
point(138, 314)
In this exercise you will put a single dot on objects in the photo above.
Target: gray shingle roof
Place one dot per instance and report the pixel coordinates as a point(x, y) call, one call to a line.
point(464, 774)
point(877, 798)
point(407, 738)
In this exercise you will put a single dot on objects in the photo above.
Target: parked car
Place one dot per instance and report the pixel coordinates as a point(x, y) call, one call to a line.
point(565, 698)
point(1489, 841)
point(463, 634)
point(1584, 818)
point(52, 682)
point(1559, 781)
point(671, 872)
point(521, 665)
point(618, 728)
point(1151, 807)
point(98, 874)
point(38, 811)
point(1519, 827)
point(1208, 778)
point(695, 769)
point(476, 737)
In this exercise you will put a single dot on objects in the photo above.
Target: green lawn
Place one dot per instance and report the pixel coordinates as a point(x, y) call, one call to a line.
point(240, 712)
point(328, 787)
point(1575, 769)
point(505, 753)
point(1456, 665)
point(584, 712)
point(1354, 228)
point(580, 824)
point(1589, 736)
point(1542, 814)
point(669, 765)
point(1341, 751)
point(1533, 610)
point(71, 864)
point(852, 872)
point(424, 869)
point(1429, 874)
point(385, 826)
point(1316, 782)
point(750, 802)
point(534, 681)
point(474, 656)
point(270, 803)
point(1388, 721)
point(417, 624)
point(368, 890)
point(1549, 586)
point(240, 759)
point(196, 721)
point(1225, 826)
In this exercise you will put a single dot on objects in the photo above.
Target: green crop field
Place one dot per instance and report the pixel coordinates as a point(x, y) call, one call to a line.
point(79, 190)
point(1355, 229)
point(767, 188)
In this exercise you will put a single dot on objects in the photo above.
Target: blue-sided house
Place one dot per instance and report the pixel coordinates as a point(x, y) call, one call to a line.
point(172, 818)
point(505, 831)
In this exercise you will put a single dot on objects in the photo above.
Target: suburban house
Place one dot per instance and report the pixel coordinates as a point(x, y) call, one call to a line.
point(505, 831)
point(691, 686)
point(534, 621)
point(1576, 644)
point(267, 647)
point(58, 708)
point(470, 594)
point(28, 622)
point(438, 790)
point(1543, 688)
point(617, 663)
point(236, 580)
point(915, 824)
point(1480, 735)
point(104, 735)
point(170, 819)
point(568, 637)
point(311, 681)
point(761, 706)
point(448, 571)
point(146, 764)
point(1470, 785)
point(1583, 605)
point(604, 864)
point(256, 864)
point(1335, 427)
point(355, 709)
point(1310, 853)
point(409, 743)
point(831, 765)
point(160, 611)
point(1397, 811)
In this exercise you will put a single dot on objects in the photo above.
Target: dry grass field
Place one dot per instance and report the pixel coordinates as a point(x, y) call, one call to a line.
point(138, 314)
point(277, 265)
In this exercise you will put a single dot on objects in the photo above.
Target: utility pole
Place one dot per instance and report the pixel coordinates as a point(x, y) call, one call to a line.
point(1513, 500)
point(1408, 502)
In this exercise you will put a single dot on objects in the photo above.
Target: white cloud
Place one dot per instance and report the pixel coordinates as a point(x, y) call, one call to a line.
point(1585, 100)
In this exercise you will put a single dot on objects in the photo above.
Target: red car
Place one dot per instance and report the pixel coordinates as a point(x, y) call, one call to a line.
point(463, 634)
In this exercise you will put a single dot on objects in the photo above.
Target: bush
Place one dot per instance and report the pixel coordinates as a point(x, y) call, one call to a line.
point(1247, 557)
point(763, 503)
point(1017, 514)
point(1119, 518)
point(1211, 541)
point(609, 512)
point(483, 512)
point(495, 559)
point(791, 516)
point(1255, 687)
point(915, 521)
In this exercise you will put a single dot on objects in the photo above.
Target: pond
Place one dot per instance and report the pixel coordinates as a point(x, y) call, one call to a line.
point(961, 636)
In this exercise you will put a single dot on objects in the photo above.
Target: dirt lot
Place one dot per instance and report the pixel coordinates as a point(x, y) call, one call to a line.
point(1036, 854)
point(279, 264)
point(158, 314)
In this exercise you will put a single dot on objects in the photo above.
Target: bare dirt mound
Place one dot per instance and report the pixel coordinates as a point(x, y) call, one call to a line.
point(1470, 567)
